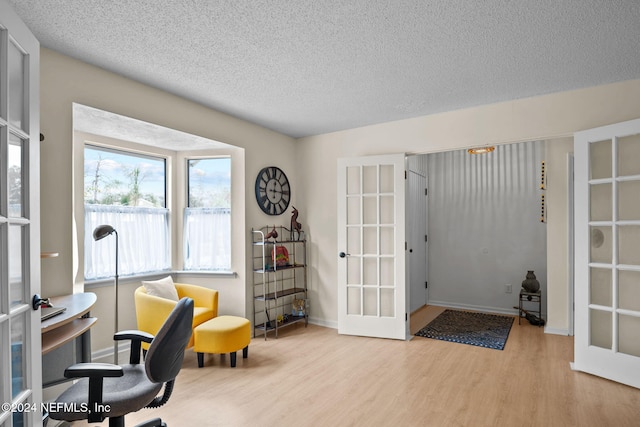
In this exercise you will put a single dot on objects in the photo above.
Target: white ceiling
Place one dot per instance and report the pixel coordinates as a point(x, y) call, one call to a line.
point(309, 67)
point(106, 123)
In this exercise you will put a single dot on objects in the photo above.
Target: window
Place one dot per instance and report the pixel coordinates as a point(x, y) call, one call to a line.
point(207, 218)
point(128, 192)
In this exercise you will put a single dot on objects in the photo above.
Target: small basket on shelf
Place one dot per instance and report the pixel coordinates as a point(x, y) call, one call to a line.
point(298, 308)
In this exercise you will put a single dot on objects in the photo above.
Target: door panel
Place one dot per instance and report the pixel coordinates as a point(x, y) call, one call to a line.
point(417, 226)
point(20, 339)
point(371, 230)
point(607, 261)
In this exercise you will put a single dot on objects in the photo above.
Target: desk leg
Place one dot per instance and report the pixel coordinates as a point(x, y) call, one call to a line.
point(85, 344)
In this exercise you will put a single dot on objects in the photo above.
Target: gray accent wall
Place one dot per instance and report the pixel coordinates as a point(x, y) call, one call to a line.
point(484, 226)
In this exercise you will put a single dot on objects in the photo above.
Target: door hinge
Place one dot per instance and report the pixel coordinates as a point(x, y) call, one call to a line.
point(426, 191)
point(405, 246)
point(405, 174)
point(426, 285)
point(406, 317)
point(426, 238)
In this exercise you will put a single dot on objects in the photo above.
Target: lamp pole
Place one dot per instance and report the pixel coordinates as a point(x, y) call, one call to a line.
point(100, 233)
point(115, 342)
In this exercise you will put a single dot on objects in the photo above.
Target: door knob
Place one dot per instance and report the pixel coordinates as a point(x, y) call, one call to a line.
point(37, 301)
point(342, 255)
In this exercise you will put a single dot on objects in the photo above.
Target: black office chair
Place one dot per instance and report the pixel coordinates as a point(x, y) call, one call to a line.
point(112, 391)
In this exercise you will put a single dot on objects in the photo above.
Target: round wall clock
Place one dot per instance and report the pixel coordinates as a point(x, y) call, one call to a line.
point(272, 190)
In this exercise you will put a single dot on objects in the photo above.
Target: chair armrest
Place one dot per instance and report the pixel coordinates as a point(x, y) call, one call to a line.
point(96, 372)
point(133, 334)
point(93, 370)
point(137, 338)
point(201, 296)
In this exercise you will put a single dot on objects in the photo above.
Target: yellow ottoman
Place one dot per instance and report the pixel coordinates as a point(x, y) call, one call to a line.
point(222, 334)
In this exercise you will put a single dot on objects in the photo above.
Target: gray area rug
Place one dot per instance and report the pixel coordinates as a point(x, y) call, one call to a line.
point(465, 327)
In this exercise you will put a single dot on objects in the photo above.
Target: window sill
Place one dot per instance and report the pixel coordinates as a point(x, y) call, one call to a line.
point(207, 273)
point(99, 283)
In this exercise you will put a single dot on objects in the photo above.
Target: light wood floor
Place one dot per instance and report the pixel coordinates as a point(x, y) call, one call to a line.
point(315, 377)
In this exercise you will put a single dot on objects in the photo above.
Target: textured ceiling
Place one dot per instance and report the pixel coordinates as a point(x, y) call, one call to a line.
point(310, 67)
point(105, 123)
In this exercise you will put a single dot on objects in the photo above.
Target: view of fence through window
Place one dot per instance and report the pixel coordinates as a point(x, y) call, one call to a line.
point(207, 218)
point(128, 192)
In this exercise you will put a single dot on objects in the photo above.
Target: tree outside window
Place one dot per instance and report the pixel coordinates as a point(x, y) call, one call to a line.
point(127, 191)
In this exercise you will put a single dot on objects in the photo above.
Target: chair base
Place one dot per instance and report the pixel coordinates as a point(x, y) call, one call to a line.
point(156, 422)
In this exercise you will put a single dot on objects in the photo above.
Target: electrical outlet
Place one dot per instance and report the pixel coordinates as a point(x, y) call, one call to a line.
point(508, 288)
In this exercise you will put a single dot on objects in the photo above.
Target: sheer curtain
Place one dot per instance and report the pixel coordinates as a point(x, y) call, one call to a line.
point(207, 239)
point(143, 235)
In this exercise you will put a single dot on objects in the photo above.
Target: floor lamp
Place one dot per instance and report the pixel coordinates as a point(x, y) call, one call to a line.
point(99, 233)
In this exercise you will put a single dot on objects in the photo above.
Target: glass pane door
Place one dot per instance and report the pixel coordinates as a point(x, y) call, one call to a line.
point(607, 217)
point(614, 222)
point(20, 382)
point(371, 238)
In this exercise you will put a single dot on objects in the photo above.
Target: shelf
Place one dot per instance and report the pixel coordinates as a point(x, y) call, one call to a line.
point(272, 292)
point(261, 236)
point(281, 294)
point(281, 268)
point(59, 336)
point(277, 242)
point(291, 321)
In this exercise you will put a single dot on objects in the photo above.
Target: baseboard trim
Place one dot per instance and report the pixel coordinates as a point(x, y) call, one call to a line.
point(498, 310)
point(556, 331)
point(325, 323)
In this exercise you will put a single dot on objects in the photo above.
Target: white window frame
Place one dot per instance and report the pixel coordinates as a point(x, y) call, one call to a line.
point(175, 201)
point(220, 261)
point(160, 243)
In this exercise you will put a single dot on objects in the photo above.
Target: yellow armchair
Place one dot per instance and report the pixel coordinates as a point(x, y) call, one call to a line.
point(152, 311)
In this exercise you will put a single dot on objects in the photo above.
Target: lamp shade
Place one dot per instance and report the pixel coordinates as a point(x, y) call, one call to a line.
point(102, 231)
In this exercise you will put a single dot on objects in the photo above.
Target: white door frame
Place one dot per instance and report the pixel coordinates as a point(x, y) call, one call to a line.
point(20, 335)
point(416, 207)
point(571, 263)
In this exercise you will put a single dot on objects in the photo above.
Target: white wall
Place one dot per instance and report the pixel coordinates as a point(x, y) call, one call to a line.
point(64, 81)
point(310, 165)
point(558, 182)
point(539, 118)
point(484, 226)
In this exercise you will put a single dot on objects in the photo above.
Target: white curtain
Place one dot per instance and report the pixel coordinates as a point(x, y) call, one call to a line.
point(143, 235)
point(207, 239)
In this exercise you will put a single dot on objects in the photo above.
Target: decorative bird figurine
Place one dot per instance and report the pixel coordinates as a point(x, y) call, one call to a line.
point(295, 225)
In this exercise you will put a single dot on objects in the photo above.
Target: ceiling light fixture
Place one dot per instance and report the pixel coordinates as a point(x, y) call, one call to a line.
point(481, 150)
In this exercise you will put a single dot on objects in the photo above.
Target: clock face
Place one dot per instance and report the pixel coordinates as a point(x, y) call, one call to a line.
point(272, 190)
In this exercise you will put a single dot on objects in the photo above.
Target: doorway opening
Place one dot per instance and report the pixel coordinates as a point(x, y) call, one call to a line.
point(485, 226)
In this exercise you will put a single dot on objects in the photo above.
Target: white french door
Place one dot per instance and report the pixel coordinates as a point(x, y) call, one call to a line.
point(20, 339)
point(371, 246)
point(417, 239)
point(607, 252)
